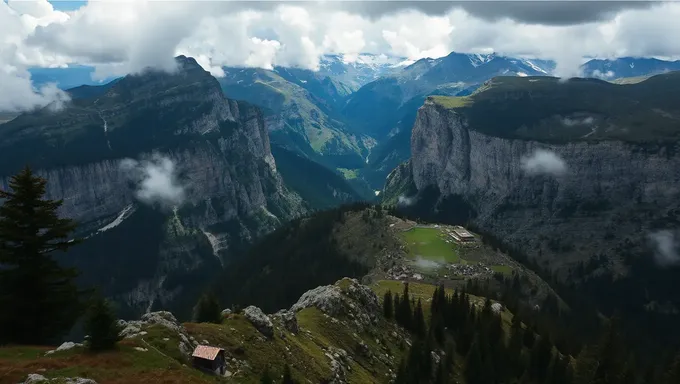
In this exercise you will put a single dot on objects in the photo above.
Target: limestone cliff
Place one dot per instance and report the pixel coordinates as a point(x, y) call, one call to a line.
point(164, 175)
point(613, 181)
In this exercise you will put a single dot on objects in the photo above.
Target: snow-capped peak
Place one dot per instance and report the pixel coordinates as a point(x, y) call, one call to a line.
point(478, 59)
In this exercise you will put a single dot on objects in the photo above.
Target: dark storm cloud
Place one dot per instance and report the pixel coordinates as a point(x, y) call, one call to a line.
point(548, 12)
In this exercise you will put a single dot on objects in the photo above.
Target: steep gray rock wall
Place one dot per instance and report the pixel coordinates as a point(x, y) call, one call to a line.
point(221, 158)
point(610, 189)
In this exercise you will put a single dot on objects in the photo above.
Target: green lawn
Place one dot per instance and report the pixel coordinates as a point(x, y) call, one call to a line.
point(430, 244)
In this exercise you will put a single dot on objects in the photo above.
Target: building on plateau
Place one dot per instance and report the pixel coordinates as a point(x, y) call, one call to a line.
point(462, 235)
point(209, 359)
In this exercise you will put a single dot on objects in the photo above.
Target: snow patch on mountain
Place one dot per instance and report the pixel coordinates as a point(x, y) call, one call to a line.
point(124, 214)
point(478, 59)
point(534, 66)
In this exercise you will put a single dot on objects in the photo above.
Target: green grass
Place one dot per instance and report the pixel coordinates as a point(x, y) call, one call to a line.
point(504, 269)
point(348, 174)
point(451, 101)
point(429, 244)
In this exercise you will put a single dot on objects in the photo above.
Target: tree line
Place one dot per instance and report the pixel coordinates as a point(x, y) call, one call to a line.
point(462, 340)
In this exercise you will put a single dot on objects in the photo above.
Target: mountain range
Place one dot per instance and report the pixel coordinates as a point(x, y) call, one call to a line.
point(354, 116)
point(333, 141)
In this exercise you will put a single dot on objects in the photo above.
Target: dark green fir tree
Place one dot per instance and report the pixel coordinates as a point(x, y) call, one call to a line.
point(102, 326)
point(42, 295)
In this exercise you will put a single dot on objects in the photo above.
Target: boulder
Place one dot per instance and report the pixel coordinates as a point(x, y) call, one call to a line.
point(226, 312)
point(163, 318)
point(259, 320)
point(65, 346)
point(289, 321)
point(35, 378)
point(497, 308)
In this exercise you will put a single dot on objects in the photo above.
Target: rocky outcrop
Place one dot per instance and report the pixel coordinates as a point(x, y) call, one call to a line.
point(134, 329)
point(590, 206)
point(34, 378)
point(289, 321)
point(259, 320)
point(345, 299)
point(211, 154)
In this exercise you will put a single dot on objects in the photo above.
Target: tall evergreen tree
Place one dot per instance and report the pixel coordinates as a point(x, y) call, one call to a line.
point(396, 307)
point(207, 310)
point(287, 376)
point(404, 311)
point(388, 310)
point(541, 356)
point(474, 366)
point(102, 326)
point(266, 377)
point(39, 299)
point(419, 327)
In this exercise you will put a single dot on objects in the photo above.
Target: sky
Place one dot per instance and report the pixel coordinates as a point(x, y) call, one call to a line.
point(125, 36)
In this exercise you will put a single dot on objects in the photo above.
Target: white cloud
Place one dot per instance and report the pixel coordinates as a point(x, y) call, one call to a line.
point(666, 245)
point(156, 180)
point(404, 201)
point(125, 36)
point(603, 75)
point(544, 162)
point(16, 91)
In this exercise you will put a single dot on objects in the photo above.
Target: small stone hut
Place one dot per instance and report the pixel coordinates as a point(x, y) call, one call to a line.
point(209, 359)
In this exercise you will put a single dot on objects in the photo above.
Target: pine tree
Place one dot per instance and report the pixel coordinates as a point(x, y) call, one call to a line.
point(541, 355)
point(266, 377)
point(419, 327)
point(610, 354)
point(207, 310)
point(388, 310)
point(102, 326)
point(474, 366)
point(404, 310)
point(43, 297)
point(287, 376)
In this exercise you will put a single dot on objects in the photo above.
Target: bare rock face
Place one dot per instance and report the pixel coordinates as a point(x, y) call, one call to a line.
point(259, 320)
point(347, 298)
point(584, 206)
point(214, 150)
point(289, 321)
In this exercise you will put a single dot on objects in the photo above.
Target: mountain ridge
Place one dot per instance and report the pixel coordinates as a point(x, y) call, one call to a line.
point(164, 148)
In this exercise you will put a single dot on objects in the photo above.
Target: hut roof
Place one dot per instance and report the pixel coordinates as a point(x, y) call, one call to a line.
point(206, 352)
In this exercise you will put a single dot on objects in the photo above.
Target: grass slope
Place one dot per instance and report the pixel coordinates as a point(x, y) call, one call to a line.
point(430, 244)
point(372, 353)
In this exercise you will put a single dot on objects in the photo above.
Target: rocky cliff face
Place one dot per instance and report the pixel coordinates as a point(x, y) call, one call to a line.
point(561, 202)
point(167, 141)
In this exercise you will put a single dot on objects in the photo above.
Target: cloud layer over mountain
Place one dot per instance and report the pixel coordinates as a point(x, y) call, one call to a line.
point(125, 36)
